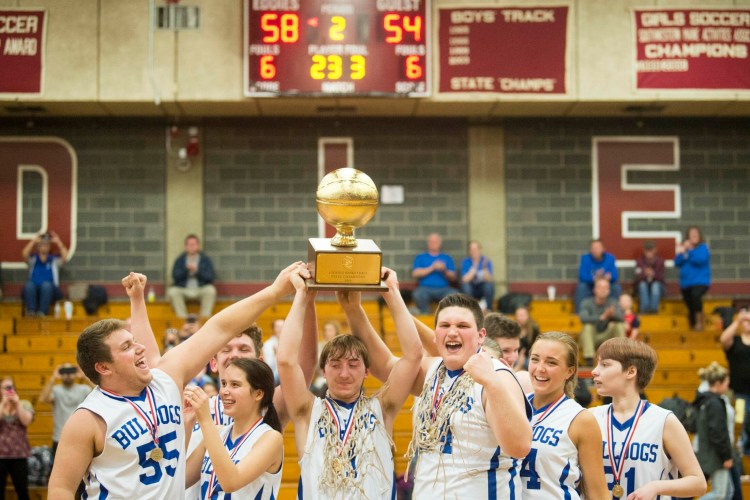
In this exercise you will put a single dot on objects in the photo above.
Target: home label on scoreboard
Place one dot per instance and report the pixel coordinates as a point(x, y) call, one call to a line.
point(337, 47)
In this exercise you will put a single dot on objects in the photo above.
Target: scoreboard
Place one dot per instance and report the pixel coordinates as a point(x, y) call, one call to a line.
point(337, 47)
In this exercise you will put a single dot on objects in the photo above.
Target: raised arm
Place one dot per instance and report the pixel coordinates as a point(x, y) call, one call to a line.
point(26, 252)
point(308, 360)
point(504, 404)
point(297, 395)
point(403, 373)
point(187, 358)
point(727, 336)
point(60, 245)
point(135, 284)
point(427, 337)
point(692, 482)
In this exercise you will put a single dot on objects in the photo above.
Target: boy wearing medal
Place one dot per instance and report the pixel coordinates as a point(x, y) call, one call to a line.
point(644, 446)
point(344, 440)
point(472, 419)
point(127, 439)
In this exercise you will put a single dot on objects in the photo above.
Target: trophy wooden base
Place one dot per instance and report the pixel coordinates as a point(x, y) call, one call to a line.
point(345, 268)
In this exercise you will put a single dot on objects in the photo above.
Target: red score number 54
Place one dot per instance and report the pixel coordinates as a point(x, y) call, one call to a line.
point(396, 25)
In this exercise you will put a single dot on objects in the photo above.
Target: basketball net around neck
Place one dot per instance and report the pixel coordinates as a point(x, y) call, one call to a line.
point(338, 474)
point(432, 424)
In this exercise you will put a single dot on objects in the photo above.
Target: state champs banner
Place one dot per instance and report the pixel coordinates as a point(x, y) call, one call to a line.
point(22, 34)
point(692, 49)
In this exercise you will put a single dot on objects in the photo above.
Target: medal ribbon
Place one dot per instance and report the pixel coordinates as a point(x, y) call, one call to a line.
point(212, 481)
point(552, 407)
point(349, 424)
point(617, 468)
point(437, 400)
point(152, 426)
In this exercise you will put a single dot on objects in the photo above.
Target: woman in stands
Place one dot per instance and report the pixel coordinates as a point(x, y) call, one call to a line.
point(694, 261)
point(17, 414)
point(645, 446)
point(566, 444)
point(242, 459)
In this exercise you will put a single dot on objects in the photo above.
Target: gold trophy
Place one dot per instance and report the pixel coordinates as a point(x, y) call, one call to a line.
point(346, 199)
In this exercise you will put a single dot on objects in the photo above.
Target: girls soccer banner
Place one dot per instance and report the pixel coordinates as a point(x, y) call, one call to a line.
point(508, 50)
point(692, 48)
point(22, 50)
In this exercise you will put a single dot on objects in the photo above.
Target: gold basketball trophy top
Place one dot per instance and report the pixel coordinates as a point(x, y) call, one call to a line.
point(346, 199)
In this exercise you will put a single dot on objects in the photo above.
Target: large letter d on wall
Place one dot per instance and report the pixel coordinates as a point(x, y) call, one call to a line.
point(38, 178)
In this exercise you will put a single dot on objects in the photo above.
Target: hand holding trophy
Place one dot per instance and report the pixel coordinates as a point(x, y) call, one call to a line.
point(346, 199)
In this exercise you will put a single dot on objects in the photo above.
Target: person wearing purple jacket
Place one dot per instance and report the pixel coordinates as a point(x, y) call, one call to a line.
point(596, 264)
point(694, 261)
point(649, 278)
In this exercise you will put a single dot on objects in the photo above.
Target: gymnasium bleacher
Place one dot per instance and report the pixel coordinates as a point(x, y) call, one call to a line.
point(32, 347)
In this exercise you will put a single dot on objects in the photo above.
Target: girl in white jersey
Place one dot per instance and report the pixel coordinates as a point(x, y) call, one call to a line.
point(644, 446)
point(565, 461)
point(244, 457)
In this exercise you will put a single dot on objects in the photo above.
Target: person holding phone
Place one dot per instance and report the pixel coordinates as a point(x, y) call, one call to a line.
point(64, 397)
point(15, 416)
point(43, 286)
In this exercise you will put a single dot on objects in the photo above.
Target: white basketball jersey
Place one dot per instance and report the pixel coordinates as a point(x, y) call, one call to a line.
point(265, 487)
point(124, 469)
point(217, 415)
point(469, 465)
point(646, 459)
point(373, 463)
point(551, 470)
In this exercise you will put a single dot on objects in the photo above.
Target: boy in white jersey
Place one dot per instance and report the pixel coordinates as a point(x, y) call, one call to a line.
point(644, 446)
point(344, 440)
point(472, 420)
point(127, 439)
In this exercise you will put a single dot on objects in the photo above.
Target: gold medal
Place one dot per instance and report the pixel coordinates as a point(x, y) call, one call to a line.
point(618, 490)
point(157, 454)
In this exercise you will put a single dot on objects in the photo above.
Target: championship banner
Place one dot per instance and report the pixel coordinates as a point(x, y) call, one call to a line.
point(22, 50)
point(508, 50)
point(692, 48)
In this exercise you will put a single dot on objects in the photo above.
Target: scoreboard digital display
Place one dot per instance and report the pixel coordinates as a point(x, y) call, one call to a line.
point(337, 47)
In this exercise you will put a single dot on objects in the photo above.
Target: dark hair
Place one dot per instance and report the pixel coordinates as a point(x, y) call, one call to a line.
point(500, 326)
point(260, 376)
point(256, 335)
point(341, 345)
point(629, 352)
point(700, 233)
point(92, 348)
point(465, 301)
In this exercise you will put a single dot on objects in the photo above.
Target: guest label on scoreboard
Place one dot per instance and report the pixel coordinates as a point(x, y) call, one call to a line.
point(335, 47)
point(508, 50)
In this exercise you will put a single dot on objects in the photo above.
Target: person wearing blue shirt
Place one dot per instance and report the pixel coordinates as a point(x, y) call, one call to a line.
point(595, 264)
point(476, 275)
point(694, 261)
point(435, 271)
point(43, 287)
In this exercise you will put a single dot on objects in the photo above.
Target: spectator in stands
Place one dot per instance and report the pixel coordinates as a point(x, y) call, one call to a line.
point(630, 318)
point(602, 319)
point(529, 332)
point(193, 275)
point(64, 397)
point(43, 287)
point(596, 264)
point(714, 438)
point(477, 279)
point(435, 271)
point(649, 279)
point(737, 349)
point(171, 339)
point(694, 261)
point(15, 450)
point(271, 348)
point(191, 325)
